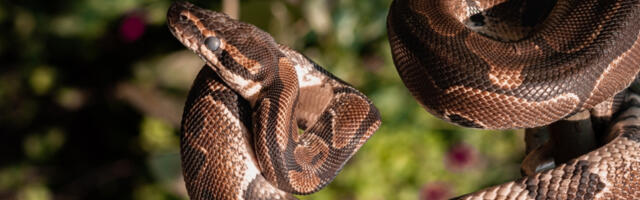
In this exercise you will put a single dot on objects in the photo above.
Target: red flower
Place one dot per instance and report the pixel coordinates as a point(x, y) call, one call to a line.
point(460, 156)
point(132, 28)
point(435, 191)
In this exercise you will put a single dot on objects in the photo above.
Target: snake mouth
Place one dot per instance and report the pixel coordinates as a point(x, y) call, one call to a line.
point(181, 26)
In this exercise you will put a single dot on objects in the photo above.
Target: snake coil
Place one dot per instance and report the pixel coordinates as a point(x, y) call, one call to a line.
point(484, 63)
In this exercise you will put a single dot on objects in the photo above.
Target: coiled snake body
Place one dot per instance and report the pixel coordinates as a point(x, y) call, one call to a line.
point(240, 126)
point(500, 64)
point(464, 67)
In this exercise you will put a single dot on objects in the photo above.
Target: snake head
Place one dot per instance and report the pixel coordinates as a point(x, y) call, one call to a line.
point(237, 51)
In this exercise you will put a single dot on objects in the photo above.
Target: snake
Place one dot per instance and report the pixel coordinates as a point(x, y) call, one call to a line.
point(507, 64)
point(263, 121)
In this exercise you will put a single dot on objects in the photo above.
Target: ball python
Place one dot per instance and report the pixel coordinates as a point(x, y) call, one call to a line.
point(231, 95)
point(504, 64)
point(239, 135)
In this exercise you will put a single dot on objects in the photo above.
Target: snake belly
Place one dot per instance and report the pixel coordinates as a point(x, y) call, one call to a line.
point(239, 136)
point(500, 64)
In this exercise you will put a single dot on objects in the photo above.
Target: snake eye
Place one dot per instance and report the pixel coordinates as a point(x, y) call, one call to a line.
point(477, 19)
point(213, 43)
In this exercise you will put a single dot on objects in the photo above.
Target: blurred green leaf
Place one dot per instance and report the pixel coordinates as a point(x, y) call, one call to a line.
point(43, 146)
point(24, 23)
point(157, 136)
point(34, 192)
point(70, 98)
point(42, 79)
point(165, 166)
point(149, 192)
point(12, 177)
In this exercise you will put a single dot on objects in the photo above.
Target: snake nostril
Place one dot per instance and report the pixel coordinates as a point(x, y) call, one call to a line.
point(183, 17)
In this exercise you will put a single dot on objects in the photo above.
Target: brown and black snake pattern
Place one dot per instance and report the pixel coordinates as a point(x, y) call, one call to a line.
point(610, 172)
point(503, 64)
point(240, 124)
point(459, 64)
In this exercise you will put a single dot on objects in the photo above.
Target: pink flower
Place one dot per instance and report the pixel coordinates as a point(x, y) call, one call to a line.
point(132, 27)
point(435, 191)
point(460, 156)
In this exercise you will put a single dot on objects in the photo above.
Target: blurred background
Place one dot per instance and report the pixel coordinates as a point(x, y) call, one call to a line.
point(91, 96)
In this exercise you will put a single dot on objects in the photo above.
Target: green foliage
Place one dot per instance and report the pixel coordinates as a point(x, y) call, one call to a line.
point(89, 112)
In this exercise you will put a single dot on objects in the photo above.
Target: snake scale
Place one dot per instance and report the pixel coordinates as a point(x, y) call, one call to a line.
point(478, 63)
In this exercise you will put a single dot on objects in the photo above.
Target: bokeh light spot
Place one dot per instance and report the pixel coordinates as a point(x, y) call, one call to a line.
point(157, 135)
point(132, 28)
point(41, 147)
point(460, 156)
point(42, 79)
point(70, 98)
point(34, 192)
point(24, 23)
point(435, 191)
point(12, 177)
